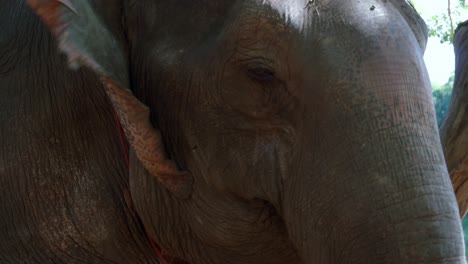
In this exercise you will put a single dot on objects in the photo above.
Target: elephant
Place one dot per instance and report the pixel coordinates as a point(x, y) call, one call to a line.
point(454, 128)
point(242, 131)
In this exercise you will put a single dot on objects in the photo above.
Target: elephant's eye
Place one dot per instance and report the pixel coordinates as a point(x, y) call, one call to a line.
point(260, 73)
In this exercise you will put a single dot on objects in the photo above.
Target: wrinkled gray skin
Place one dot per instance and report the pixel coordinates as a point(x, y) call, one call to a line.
point(454, 128)
point(309, 132)
point(63, 179)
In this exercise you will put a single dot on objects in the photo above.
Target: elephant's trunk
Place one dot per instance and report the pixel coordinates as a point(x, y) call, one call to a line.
point(381, 192)
point(406, 216)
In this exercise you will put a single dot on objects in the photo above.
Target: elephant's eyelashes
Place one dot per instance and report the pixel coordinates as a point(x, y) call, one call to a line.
point(260, 74)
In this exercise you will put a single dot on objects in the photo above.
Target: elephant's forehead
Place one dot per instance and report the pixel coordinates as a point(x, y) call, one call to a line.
point(207, 23)
point(294, 12)
point(303, 14)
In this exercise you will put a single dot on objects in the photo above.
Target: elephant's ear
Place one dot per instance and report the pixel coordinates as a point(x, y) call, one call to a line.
point(87, 41)
point(454, 129)
point(414, 20)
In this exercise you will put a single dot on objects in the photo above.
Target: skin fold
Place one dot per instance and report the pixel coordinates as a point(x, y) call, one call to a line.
point(305, 132)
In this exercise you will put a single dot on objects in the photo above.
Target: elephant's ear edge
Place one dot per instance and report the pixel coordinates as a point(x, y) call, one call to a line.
point(74, 24)
point(415, 22)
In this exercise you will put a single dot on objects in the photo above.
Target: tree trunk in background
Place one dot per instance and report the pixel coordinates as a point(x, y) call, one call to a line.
point(454, 128)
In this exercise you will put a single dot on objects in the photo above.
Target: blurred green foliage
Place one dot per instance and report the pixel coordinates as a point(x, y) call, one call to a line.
point(441, 95)
point(465, 233)
point(443, 25)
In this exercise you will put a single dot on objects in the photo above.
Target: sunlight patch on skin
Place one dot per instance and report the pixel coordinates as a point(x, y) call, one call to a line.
point(295, 12)
point(300, 13)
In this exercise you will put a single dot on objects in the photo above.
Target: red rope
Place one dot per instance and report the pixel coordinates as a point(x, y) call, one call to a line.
point(122, 140)
point(124, 148)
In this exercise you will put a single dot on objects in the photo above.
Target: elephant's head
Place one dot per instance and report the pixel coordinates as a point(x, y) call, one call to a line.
point(300, 131)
